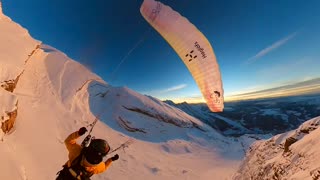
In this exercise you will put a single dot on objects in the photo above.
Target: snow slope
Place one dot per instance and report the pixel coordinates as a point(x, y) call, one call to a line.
point(54, 96)
point(276, 158)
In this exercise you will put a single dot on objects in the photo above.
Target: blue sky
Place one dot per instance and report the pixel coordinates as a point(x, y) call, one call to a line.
point(258, 44)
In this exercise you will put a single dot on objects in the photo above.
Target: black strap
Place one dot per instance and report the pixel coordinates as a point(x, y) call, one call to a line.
point(75, 171)
point(78, 168)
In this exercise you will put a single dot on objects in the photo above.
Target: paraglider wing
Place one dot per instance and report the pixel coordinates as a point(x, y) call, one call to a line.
point(192, 47)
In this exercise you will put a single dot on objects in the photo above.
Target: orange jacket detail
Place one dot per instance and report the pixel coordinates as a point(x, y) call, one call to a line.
point(75, 149)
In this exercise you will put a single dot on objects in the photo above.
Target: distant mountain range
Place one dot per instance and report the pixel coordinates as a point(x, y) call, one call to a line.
point(273, 115)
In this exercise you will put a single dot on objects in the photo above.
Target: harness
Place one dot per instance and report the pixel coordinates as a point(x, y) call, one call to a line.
point(76, 171)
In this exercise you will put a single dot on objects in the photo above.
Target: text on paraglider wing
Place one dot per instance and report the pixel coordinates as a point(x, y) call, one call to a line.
point(200, 49)
point(155, 12)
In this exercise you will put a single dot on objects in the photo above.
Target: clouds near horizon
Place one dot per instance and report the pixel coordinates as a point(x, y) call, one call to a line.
point(311, 86)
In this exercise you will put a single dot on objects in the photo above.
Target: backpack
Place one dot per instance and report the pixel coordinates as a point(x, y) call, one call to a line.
point(75, 171)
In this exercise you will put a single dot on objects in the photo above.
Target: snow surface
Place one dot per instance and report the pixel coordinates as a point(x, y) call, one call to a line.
point(275, 112)
point(56, 96)
point(267, 159)
point(13, 37)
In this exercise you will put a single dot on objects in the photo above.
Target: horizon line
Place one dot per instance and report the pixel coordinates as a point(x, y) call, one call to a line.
point(307, 87)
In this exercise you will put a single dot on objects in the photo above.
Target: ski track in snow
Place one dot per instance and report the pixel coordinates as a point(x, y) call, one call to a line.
point(24, 173)
point(19, 167)
point(62, 72)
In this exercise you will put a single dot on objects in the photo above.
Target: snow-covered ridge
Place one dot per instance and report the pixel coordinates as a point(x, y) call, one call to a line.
point(16, 48)
point(138, 112)
point(291, 155)
point(62, 74)
point(54, 95)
